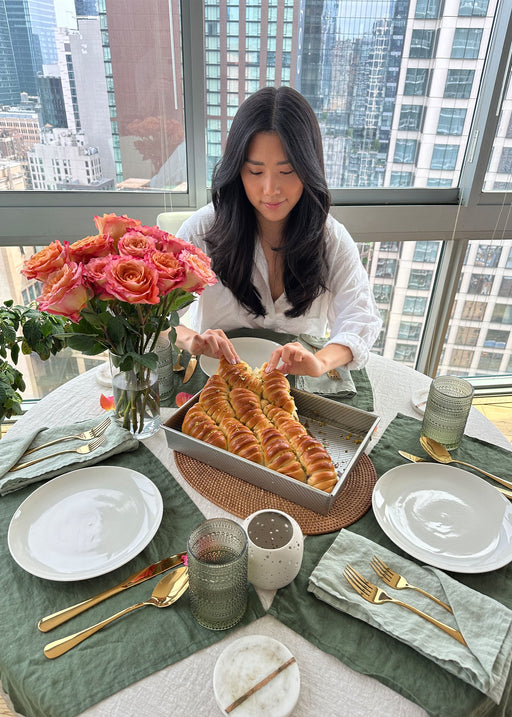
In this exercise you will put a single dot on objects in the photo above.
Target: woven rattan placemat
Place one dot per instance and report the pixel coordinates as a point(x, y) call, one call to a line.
point(241, 498)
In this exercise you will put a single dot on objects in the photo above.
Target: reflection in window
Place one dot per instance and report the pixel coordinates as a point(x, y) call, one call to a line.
point(505, 289)
point(439, 182)
point(410, 117)
point(489, 361)
point(427, 9)
point(466, 43)
point(401, 179)
point(420, 279)
point(386, 268)
point(405, 352)
point(444, 156)
point(422, 42)
point(488, 255)
point(475, 8)
point(415, 305)
point(409, 330)
point(459, 84)
point(502, 314)
point(505, 164)
point(416, 80)
point(382, 293)
point(467, 335)
point(496, 339)
point(473, 310)
point(461, 358)
point(481, 284)
point(426, 251)
point(389, 246)
point(451, 120)
point(405, 151)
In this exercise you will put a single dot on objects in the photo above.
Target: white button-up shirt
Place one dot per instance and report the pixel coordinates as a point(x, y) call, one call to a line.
point(347, 309)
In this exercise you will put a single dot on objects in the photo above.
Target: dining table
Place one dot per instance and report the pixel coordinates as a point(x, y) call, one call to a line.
point(329, 685)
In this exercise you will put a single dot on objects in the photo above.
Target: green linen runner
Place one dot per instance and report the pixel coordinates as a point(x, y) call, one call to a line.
point(371, 651)
point(119, 655)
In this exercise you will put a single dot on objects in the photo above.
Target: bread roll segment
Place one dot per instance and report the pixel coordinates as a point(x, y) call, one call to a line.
point(253, 413)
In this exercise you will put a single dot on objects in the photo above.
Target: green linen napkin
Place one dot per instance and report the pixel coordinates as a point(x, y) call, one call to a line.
point(485, 624)
point(130, 649)
point(117, 440)
point(324, 385)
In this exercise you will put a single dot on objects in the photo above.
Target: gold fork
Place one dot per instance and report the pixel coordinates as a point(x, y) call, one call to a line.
point(375, 595)
point(398, 582)
point(84, 436)
point(88, 448)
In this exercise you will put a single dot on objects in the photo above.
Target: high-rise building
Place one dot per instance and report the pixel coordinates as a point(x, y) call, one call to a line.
point(9, 85)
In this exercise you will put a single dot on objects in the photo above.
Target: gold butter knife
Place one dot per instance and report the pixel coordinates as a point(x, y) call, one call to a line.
point(417, 459)
point(191, 367)
point(58, 618)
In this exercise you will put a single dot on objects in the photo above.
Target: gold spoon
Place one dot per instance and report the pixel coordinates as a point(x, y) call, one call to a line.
point(177, 366)
point(166, 592)
point(440, 454)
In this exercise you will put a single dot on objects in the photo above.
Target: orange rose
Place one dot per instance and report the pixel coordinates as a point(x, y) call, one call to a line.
point(131, 280)
point(94, 272)
point(114, 225)
point(64, 292)
point(198, 272)
point(90, 247)
point(171, 271)
point(135, 243)
point(45, 262)
point(171, 243)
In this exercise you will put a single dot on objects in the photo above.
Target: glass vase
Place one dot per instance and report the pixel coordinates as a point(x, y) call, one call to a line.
point(136, 397)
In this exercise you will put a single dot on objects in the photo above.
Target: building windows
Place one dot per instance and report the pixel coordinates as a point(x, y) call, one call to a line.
point(420, 279)
point(488, 255)
point(461, 358)
point(502, 314)
point(473, 8)
point(481, 284)
point(467, 335)
point(416, 81)
point(439, 182)
point(490, 361)
point(401, 179)
point(422, 43)
point(415, 305)
point(505, 164)
point(405, 352)
point(409, 330)
point(405, 151)
point(459, 83)
point(386, 268)
point(389, 246)
point(474, 310)
point(427, 9)
point(451, 120)
point(411, 117)
point(466, 43)
point(496, 339)
point(382, 293)
point(426, 251)
point(444, 156)
point(505, 289)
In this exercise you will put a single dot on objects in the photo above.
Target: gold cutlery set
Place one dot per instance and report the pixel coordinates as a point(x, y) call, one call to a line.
point(166, 592)
point(191, 366)
point(373, 594)
point(96, 434)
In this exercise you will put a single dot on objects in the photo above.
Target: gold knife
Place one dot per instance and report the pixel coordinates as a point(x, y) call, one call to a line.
point(191, 367)
point(417, 459)
point(58, 618)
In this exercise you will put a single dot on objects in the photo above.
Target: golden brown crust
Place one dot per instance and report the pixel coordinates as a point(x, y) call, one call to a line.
point(241, 440)
point(239, 375)
point(276, 390)
point(214, 398)
point(198, 424)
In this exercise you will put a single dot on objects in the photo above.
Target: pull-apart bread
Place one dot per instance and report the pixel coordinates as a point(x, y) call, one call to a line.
point(253, 414)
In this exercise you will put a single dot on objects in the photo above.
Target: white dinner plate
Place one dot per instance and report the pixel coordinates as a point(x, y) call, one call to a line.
point(252, 350)
point(246, 662)
point(444, 516)
point(85, 523)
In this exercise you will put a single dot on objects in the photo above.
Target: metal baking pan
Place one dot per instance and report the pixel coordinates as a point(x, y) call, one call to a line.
point(344, 430)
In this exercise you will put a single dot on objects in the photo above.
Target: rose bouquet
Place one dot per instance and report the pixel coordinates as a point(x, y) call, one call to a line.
point(120, 289)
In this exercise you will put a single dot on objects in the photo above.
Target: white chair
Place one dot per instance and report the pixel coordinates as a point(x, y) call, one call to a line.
point(171, 221)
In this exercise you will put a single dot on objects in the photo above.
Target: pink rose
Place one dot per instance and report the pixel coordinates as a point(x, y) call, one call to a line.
point(132, 280)
point(45, 262)
point(157, 234)
point(171, 271)
point(198, 272)
point(135, 243)
point(171, 243)
point(64, 292)
point(114, 225)
point(90, 247)
point(94, 272)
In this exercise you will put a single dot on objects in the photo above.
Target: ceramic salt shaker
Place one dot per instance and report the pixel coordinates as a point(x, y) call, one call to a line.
point(276, 546)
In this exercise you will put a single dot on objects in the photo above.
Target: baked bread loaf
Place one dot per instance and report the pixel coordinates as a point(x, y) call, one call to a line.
point(253, 414)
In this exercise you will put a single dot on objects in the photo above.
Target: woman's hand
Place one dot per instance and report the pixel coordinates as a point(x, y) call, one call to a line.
point(213, 343)
point(295, 359)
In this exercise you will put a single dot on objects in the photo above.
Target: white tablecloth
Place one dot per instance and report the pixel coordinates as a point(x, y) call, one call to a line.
point(328, 687)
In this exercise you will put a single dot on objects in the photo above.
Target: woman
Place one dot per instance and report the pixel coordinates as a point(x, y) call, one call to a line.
point(282, 261)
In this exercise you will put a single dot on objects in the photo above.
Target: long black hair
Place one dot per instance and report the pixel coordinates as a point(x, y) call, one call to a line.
point(231, 239)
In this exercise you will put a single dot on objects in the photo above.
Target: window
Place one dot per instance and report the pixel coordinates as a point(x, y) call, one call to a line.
point(389, 246)
point(451, 121)
point(438, 182)
point(490, 361)
point(426, 251)
point(505, 165)
point(416, 81)
point(405, 151)
point(466, 43)
point(382, 293)
point(409, 330)
point(405, 352)
point(422, 42)
point(420, 279)
point(481, 284)
point(427, 9)
point(488, 255)
point(386, 268)
point(459, 83)
point(444, 156)
point(467, 335)
point(475, 8)
point(506, 287)
point(411, 117)
point(496, 339)
point(502, 314)
point(461, 358)
point(474, 310)
point(415, 305)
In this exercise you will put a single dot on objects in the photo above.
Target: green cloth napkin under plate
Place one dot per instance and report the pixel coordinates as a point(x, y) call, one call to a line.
point(343, 387)
point(117, 440)
point(485, 624)
point(121, 654)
